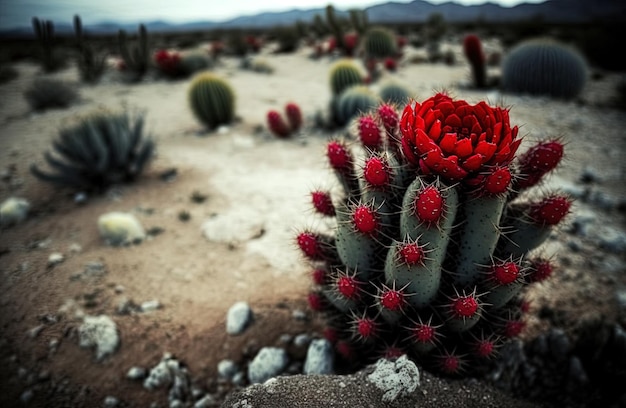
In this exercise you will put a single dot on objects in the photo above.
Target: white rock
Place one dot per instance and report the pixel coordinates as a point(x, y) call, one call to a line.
point(395, 378)
point(136, 373)
point(238, 317)
point(268, 363)
point(101, 332)
point(13, 210)
point(319, 357)
point(227, 369)
point(150, 306)
point(236, 226)
point(55, 258)
point(118, 228)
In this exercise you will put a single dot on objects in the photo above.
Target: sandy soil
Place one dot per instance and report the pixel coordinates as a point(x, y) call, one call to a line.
point(256, 188)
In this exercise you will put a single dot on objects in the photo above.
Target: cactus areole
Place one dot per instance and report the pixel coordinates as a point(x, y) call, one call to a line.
point(431, 250)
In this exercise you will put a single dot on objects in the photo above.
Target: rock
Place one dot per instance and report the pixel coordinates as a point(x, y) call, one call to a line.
point(205, 402)
point(239, 225)
point(319, 358)
point(395, 378)
point(613, 240)
point(55, 258)
point(101, 332)
point(268, 363)
point(111, 401)
point(118, 228)
point(169, 372)
point(238, 317)
point(13, 210)
point(136, 373)
point(150, 306)
point(227, 369)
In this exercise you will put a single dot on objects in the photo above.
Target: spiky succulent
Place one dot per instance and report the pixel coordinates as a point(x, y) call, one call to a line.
point(100, 150)
point(430, 253)
point(211, 99)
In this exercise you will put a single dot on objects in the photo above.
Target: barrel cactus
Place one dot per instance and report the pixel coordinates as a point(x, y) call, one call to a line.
point(394, 93)
point(544, 67)
point(344, 74)
point(379, 43)
point(421, 259)
point(104, 148)
point(212, 100)
point(353, 101)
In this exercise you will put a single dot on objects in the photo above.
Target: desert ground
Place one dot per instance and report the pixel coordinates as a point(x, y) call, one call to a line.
point(238, 244)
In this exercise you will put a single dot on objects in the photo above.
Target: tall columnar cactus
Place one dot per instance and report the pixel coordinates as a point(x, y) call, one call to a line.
point(344, 74)
point(102, 149)
point(136, 57)
point(379, 43)
point(430, 253)
point(544, 67)
point(91, 63)
point(44, 31)
point(212, 100)
point(359, 20)
point(336, 27)
point(473, 49)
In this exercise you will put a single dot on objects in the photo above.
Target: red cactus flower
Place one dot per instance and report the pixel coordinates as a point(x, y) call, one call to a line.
point(391, 64)
point(455, 139)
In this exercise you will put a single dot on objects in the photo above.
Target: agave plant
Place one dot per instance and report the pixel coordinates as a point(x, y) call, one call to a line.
point(102, 149)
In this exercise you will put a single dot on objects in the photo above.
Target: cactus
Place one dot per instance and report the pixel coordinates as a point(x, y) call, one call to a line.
point(344, 74)
point(44, 31)
point(102, 149)
point(359, 20)
point(169, 63)
point(91, 64)
point(136, 58)
point(422, 260)
point(544, 67)
point(379, 43)
point(45, 93)
point(336, 27)
point(351, 102)
point(212, 100)
point(473, 49)
point(277, 124)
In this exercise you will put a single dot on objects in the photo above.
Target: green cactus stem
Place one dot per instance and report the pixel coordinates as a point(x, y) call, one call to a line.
point(136, 57)
point(212, 100)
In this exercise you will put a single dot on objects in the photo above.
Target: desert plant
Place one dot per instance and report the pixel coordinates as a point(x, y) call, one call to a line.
point(287, 37)
point(359, 20)
point(379, 43)
point(336, 27)
point(136, 57)
point(211, 99)
point(194, 61)
point(394, 93)
point(45, 93)
point(420, 262)
point(473, 50)
point(281, 128)
point(44, 31)
point(91, 64)
point(102, 149)
point(344, 74)
point(544, 67)
point(353, 101)
point(168, 63)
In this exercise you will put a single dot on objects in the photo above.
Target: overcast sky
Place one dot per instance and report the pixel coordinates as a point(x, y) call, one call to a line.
point(18, 13)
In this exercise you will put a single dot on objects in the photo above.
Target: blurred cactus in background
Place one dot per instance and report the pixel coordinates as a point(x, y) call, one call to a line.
point(136, 57)
point(212, 100)
point(473, 50)
point(91, 63)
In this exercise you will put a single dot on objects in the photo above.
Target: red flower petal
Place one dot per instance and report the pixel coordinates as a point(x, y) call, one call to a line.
point(473, 163)
point(435, 131)
point(447, 142)
point(453, 121)
point(485, 149)
point(463, 148)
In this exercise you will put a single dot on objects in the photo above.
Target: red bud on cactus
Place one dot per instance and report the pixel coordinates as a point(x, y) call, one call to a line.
point(364, 328)
point(323, 203)
point(498, 181)
point(314, 246)
point(391, 64)
point(540, 270)
point(424, 333)
point(316, 301)
point(550, 210)
point(412, 254)
point(504, 273)
point(339, 156)
point(389, 117)
point(391, 298)
point(294, 116)
point(485, 346)
point(365, 219)
point(429, 205)
point(348, 286)
point(513, 328)
point(319, 276)
point(376, 172)
point(277, 124)
point(369, 132)
point(465, 306)
point(450, 363)
point(537, 161)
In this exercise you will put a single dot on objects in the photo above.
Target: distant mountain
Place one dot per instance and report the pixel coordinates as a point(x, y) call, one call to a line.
point(417, 11)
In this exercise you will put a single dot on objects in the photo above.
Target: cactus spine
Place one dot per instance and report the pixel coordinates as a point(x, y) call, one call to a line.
point(422, 260)
point(211, 99)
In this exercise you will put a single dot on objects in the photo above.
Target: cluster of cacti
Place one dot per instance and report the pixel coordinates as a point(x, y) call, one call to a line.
point(136, 57)
point(544, 67)
point(430, 251)
point(102, 149)
point(46, 93)
point(44, 31)
point(379, 43)
point(473, 50)
point(168, 63)
point(281, 128)
point(211, 99)
point(91, 64)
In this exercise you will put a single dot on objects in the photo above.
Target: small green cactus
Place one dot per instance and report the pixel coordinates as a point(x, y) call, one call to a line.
point(353, 101)
point(544, 67)
point(419, 262)
point(344, 74)
point(102, 149)
point(394, 93)
point(136, 57)
point(379, 43)
point(212, 100)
